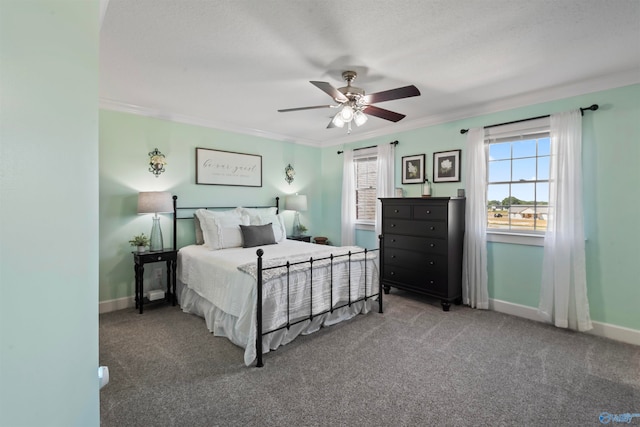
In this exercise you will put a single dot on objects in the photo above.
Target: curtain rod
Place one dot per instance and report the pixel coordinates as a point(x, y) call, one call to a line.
point(594, 107)
point(371, 146)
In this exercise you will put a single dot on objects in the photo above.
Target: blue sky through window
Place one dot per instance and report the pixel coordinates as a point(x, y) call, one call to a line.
point(515, 166)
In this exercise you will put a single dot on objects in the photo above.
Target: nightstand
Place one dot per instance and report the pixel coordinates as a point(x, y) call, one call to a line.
point(300, 238)
point(169, 256)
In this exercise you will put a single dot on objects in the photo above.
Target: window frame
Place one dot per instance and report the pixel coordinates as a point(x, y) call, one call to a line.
point(540, 127)
point(360, 155)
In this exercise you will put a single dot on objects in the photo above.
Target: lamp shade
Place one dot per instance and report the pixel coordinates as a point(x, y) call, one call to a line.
point(360, 118)
point(154, 202)
point(346, 113)
point(296, 203)
point(337, 121)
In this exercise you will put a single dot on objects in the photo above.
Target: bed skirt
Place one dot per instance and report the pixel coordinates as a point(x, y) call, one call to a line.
point(222, 324)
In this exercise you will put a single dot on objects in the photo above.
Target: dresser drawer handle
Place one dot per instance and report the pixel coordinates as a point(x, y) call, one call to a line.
point(159, 258)
point(431, 282)
point(428, 211)
point(432, 228)
point(392, 273)
point(393, 225)
point(393, 240)
point(431, 263)
point(393, 256)
point(396, 211)
point(432, 245)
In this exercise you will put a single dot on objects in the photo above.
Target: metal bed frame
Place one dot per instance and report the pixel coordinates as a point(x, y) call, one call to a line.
point(288, 265)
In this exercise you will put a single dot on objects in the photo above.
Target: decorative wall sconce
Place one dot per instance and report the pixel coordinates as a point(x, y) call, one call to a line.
point(289, 173)
point(156, 162)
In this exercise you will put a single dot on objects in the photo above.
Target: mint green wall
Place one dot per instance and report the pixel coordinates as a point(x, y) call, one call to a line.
point(514, 273)
point(331, 198)
point(126, 140)
point(49, 213)
point(366, 239)
point(611, 160)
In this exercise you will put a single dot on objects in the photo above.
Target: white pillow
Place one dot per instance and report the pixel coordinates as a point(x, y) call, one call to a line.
point(198, 230)
point(277, 222)
point(218, 214)
point(257, 211)
point(221, 229)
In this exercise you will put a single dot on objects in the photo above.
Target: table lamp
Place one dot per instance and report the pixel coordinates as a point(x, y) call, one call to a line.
point(296, 203)
point(155, 202)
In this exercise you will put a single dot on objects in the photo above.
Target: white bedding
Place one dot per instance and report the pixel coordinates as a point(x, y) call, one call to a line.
point(216, 289)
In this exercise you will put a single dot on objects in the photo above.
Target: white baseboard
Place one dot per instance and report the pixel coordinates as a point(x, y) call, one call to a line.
point(614, 332)
point(514, 309)
point(618, 333)
point(116, 304)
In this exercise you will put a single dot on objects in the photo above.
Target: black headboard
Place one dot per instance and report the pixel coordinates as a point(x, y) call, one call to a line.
point(177, 209)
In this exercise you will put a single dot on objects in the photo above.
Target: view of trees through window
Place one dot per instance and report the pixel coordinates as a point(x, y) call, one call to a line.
point(366, 177)
point(518, 184)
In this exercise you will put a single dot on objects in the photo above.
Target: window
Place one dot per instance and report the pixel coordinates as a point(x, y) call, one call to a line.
point(366, 173)
point(518, 177)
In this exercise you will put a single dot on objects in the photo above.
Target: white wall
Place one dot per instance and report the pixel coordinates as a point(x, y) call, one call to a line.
point(49, 213)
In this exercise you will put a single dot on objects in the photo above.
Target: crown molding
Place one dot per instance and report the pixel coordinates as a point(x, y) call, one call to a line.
point(122, 107)
point(611, 81)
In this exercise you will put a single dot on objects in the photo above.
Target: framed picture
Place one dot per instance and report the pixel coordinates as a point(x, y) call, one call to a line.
point(446, 166)
point(216, 167)
point(413, 169)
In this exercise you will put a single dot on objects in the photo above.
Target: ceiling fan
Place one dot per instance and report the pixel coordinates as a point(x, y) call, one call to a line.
point(353, 103)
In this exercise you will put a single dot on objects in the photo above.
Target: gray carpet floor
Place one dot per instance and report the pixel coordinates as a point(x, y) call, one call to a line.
point(414, 365)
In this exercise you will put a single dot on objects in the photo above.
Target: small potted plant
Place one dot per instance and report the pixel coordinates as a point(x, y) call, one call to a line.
point(141, 241)
point(302, 229)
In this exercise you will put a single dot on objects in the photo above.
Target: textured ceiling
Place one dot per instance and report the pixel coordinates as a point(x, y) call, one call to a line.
point(231, 64)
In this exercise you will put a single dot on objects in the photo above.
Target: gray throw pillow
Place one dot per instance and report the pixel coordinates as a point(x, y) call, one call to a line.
point(257, 235)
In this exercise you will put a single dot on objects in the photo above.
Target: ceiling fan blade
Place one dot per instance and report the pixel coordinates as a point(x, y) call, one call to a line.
point(331, 125)
point(372, 110)
point(330, 90)
point(286, 110)
point(388, 95)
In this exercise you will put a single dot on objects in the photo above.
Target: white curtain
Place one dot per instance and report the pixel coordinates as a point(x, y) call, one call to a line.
point(348, 235)
point(385, 185)
point(474, 263)
point(563, 293)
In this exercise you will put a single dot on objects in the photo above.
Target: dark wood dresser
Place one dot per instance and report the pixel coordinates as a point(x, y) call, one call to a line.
point(421, 246)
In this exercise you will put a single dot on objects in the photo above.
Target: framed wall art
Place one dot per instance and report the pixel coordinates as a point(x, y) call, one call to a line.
point(446, 166)
point(413, 169)
point(216, 167)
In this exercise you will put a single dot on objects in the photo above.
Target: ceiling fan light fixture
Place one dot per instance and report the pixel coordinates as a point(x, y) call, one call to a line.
point(360, 118)
point(346, 114)
point(337, 121)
